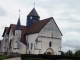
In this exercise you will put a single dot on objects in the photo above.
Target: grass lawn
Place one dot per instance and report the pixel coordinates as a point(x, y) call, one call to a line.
point(4, 57)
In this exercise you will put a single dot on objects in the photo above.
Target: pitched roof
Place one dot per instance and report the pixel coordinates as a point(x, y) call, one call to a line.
point(12, 26)
point(5, 30)
point(18, 26)
point(23, 38)
point(37, 26)
point(33, 13)
point(23, 31)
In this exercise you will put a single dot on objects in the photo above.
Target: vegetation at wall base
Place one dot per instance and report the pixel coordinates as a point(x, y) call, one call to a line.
point(47, 57)
point(4, 57)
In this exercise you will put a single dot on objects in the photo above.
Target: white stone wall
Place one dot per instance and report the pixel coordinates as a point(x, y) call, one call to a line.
point(55, 45)
point(51, 33)
point(16, 42)
point(31, 39)
point(23, 48)
point(50, 28)
point(11, 37)
point(4, 43)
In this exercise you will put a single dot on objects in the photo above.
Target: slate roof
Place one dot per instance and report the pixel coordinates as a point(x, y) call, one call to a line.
point(5, 30)
point(18, 26)
point(33, 13)
point(35, 28)
point(23, 29)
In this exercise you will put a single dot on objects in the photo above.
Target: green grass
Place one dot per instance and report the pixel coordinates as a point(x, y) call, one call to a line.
point(4, 57)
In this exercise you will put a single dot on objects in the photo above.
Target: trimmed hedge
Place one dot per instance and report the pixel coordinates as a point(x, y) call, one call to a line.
point(24, 56)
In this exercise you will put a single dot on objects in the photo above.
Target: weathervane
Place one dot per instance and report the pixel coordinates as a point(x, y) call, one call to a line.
point(34, 5)
point(19, 13)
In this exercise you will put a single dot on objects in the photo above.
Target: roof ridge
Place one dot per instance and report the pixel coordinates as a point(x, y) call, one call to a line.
point(16, 24)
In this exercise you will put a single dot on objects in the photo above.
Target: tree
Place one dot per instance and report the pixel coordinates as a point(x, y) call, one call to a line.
point(62, 53)
point(77, 53)
point(69, 53)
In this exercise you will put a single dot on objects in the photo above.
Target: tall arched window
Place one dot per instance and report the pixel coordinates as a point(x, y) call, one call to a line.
point(50, 44)
point(31, 46)
point(28, 45)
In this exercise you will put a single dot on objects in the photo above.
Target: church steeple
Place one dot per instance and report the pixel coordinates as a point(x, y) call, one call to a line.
point(18, 26)
point(33, 13)
point(32, 17)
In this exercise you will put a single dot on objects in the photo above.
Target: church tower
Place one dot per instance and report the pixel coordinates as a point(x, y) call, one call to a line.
point(17, 35)
point(32, 17)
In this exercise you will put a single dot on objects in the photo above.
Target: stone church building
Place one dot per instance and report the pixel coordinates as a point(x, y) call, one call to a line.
point(37, 37)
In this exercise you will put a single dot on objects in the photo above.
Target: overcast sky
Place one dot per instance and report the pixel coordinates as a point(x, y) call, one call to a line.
point(66, 13)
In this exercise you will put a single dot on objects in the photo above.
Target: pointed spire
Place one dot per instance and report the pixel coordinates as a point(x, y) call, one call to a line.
point(18, 26)
point(19, 13)
point(34, 5)
point(33, 12)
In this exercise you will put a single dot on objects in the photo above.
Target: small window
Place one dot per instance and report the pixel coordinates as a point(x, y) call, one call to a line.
point(10, 44)
point(28, 46)
point(4, 47)
point(31, 46)
point(50, 44)
point(31, 17)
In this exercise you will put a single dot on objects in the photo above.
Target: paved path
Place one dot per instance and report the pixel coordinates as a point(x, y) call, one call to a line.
point(15, 58)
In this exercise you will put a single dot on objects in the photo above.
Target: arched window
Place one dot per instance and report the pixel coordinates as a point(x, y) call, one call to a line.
point(10, 44)
point(28, 45)
point(50, 44)
point(31, 46)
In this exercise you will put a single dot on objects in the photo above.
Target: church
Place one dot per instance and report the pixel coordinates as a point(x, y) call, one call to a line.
point(37, 37)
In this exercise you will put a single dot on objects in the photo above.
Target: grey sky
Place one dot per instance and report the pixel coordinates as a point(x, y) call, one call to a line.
point(66, 13)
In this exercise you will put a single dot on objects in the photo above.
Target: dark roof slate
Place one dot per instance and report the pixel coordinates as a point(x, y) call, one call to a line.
point(33, 13)
point(37, 26)
point(23, 31)
point(5, 30)
point(18, 26)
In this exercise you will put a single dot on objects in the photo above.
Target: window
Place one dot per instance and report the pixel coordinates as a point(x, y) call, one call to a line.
point(50, 44)
point(4, 47)
point(10, 44)
point(31, 46)
point(28, 45)
point(31, 17)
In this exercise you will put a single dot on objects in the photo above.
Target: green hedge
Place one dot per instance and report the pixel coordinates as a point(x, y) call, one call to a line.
point(24, 56)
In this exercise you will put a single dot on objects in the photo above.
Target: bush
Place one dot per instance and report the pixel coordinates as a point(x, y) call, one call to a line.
point(4, 57)
point(25, 56)
point(35, 59)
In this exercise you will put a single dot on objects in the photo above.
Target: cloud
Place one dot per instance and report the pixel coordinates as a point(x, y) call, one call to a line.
point(3, 12)
point(70, 45)
point(66, 48)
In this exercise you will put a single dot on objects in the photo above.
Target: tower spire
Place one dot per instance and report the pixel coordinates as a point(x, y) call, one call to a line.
point(19, 13)
point(18, 26)
point(34, 5)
